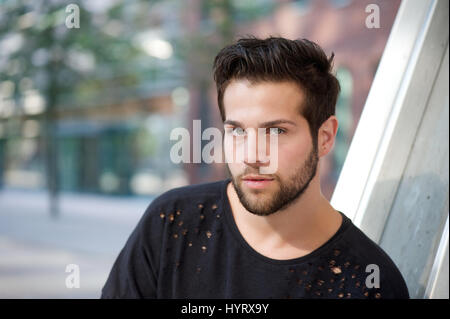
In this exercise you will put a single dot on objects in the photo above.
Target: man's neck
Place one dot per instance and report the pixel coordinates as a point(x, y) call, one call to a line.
point(299, 229)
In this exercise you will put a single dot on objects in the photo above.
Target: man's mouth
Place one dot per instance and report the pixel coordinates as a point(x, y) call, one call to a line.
point(256, 182)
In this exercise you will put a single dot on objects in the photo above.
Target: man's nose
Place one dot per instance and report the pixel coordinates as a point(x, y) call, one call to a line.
point(256, 148)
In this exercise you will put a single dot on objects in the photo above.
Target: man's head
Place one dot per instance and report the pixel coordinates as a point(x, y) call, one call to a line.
point(263, 81)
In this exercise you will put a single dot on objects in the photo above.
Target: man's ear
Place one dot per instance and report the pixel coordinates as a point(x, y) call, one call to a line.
point(326, 135)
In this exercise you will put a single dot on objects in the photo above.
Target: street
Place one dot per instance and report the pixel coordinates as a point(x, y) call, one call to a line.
point(35, 248)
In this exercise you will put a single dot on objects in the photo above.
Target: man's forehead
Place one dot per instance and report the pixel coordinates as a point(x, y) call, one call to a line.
point(243, 93)
point(262, 102)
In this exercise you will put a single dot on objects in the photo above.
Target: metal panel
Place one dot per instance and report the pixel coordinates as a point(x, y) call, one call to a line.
point(351, 186)
point(420, 208)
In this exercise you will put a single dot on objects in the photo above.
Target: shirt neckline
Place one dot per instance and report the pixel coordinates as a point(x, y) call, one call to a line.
point(345, 224)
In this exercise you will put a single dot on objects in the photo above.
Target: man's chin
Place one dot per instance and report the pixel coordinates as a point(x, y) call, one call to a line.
point(259, 209)
point(257, 202)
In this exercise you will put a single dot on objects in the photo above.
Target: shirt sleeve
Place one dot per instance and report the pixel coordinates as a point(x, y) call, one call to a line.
point(134, 273)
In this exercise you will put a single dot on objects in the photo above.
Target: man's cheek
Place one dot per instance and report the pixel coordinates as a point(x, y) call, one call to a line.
point(235, 169)
point(234, 150)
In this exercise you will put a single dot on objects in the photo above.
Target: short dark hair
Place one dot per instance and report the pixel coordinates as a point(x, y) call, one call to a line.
point(279, 59)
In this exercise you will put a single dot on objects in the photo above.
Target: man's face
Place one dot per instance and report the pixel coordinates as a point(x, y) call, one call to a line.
point(249, 107)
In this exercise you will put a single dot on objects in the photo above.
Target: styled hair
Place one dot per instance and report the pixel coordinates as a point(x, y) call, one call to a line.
point(278, 59)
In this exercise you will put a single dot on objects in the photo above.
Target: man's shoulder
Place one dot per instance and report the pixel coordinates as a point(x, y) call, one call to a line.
point(374, 258)
point(190, 193)
point(364, 247)
point(187, 199)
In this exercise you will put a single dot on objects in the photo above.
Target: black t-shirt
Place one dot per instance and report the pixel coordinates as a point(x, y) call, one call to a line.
point(187, 245)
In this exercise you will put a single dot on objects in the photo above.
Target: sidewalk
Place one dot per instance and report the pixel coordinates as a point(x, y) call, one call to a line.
point(35, 249)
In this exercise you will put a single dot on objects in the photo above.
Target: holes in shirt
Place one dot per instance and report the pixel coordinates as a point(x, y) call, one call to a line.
point(335, 283)
point(336, 270)
point(333, 277)
point(202, 216)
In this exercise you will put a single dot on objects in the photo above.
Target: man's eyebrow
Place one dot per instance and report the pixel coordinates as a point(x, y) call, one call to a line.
point(276, 122)
point(264, 124)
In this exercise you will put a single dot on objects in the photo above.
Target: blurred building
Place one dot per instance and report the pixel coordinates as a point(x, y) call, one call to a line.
point(90, 109)
point(132, 73)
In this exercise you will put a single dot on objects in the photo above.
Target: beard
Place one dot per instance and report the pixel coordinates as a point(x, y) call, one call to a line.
point(286, 193)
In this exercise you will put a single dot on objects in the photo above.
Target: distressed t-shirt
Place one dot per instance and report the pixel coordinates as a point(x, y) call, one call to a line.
point(187, 245)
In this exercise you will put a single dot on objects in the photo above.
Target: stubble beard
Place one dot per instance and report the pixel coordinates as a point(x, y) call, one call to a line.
point(287, 192)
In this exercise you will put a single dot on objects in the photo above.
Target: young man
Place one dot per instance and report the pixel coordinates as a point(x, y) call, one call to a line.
point(258, 235)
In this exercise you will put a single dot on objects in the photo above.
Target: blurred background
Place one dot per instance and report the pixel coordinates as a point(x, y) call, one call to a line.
point(86, 114)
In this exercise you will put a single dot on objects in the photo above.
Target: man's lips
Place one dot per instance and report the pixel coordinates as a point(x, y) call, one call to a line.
point(256, 178)
point(256, 182)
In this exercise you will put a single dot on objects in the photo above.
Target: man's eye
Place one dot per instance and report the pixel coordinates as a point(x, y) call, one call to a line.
point(276, 130)
point(238, 131)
